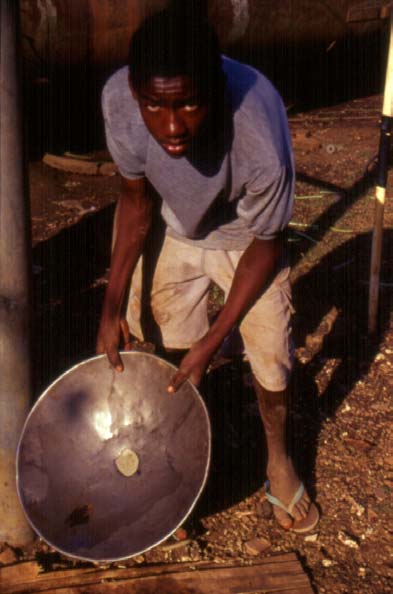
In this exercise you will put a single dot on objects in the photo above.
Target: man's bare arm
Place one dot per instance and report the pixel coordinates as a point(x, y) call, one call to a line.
point(133, 218)
point(254, 271)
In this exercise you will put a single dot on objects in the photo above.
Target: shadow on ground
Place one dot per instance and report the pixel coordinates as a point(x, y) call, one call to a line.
point(339, 280)
point(68, 295)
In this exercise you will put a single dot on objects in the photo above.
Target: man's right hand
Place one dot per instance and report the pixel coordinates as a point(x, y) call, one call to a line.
point(132, 224)
point(108, 340)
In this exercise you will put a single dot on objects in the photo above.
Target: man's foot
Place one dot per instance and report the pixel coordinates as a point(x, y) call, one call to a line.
point(292, 506)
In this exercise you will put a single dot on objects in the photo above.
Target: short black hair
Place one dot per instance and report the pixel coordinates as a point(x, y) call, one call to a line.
point(177, 41)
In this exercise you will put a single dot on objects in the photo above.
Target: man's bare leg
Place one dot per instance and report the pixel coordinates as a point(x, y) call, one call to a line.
point(280, 471)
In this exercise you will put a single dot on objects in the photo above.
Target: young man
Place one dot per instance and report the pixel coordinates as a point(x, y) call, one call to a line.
point(210, 136)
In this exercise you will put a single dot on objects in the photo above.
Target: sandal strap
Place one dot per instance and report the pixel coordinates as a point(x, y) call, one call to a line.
point(296, 498)
point(275, 501)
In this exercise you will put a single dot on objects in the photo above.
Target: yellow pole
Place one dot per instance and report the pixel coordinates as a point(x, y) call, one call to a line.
point(376, 250)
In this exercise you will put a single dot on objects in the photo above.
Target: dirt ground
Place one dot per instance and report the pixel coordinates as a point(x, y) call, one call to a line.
point(340, 426)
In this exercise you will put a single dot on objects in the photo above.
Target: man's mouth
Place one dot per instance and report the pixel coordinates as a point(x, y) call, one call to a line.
point(175, 148)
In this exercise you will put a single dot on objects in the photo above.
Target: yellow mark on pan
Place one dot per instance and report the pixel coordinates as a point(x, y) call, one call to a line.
point(127, 463)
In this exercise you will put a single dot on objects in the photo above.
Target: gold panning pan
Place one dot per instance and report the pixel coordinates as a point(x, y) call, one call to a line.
point(109, 464)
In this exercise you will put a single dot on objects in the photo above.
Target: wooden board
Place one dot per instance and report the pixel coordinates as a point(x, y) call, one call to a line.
point(281, 574)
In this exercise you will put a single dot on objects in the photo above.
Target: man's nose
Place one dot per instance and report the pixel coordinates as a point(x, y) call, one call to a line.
point(175, 124)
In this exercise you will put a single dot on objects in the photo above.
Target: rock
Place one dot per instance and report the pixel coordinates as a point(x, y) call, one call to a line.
point(311, 538)
point(264, 510)
point(347, 540)
point(380, 493)
point(356, 508)
point(256, 546)
point(107, 168)
point(328, 562)
point(180, 534)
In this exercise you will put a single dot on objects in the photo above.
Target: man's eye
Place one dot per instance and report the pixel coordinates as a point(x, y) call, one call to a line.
point(153, 108)
point(191, 107)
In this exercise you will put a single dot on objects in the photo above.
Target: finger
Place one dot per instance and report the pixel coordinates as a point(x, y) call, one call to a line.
point(125, 331)
point(176, 382)
point(115, 360)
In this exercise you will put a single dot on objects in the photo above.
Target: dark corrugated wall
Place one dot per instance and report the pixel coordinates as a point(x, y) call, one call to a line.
point(70, 31)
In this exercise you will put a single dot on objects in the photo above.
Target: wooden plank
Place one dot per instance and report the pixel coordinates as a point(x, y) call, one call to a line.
point(162, 586)
point(75, 165)
point(21, 573)
point(197, 584)
point(235, 581)
point(281, 574)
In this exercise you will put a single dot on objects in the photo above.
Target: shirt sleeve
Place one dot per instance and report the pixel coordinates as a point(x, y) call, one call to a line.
point(266, 207)
point(119, 143)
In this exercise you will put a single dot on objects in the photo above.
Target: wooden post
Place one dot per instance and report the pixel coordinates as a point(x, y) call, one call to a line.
point(383, 156)
point(15, 376)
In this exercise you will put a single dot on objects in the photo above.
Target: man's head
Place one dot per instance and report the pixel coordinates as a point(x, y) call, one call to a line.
point(175, 75)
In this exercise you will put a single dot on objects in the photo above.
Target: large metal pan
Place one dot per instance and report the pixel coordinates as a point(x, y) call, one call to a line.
point(108, 463)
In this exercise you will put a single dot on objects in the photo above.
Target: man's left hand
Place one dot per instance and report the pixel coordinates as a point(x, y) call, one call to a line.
point(254, 270)
point(193, 364)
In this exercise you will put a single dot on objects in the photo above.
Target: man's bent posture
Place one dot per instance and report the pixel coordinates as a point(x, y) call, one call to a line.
point(210, 136)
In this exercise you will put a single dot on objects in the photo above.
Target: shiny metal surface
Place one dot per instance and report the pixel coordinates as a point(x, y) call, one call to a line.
point(69, 485)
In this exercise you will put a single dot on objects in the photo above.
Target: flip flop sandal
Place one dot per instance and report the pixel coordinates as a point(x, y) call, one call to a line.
point(305, 525)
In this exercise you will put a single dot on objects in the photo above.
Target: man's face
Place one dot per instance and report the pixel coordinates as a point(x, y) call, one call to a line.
point(172, 111)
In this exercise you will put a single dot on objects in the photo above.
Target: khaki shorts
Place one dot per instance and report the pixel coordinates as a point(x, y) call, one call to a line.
point(179, 295)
